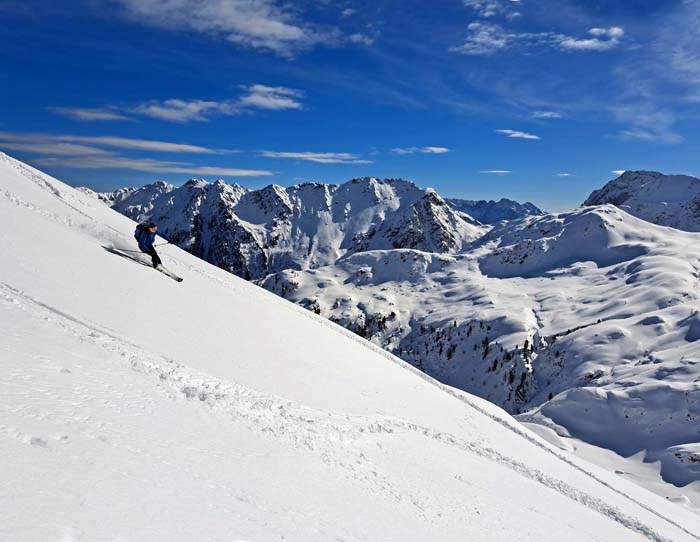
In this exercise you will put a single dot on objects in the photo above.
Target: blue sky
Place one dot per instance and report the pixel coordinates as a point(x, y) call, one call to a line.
point(536, 100)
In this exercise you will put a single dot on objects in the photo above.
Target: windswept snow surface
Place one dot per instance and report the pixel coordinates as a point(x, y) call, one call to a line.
point(138, 409)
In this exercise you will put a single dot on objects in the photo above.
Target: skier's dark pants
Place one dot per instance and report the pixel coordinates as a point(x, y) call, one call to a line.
point(154, 256)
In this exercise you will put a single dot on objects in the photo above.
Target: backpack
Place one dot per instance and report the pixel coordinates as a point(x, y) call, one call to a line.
point(140, 229)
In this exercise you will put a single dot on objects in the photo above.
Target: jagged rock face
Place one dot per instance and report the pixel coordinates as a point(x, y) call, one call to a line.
point(199, 217)
point(490, 212)
point(133, 202)
point(667, 200)
point(430, 225)
point(253, 233)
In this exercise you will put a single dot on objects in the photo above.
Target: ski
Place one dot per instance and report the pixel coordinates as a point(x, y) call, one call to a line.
point(168, 273)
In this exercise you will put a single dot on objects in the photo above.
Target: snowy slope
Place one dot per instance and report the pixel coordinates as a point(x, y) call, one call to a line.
point(490, 212)
point(667, 200)
point(586, 316)
point(135, 408)
point(256, 232)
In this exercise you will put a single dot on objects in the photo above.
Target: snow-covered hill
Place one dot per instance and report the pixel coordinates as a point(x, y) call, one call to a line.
point(137, 408)
point(490, 212)
point(586, 316)
point(256, 232)
point(667, 200)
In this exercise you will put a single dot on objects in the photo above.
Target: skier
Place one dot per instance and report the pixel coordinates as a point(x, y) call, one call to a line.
point(145, 234)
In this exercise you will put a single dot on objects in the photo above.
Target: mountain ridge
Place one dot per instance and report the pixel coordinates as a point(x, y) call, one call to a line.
point(253, 233)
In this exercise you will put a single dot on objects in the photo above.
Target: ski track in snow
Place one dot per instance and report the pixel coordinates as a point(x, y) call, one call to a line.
point(315, 430)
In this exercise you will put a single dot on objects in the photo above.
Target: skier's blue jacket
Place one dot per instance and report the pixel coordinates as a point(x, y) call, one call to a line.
point(145, 239)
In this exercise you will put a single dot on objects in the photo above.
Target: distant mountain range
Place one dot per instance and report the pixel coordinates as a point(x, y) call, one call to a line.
point(253, 233)
point(490, 212)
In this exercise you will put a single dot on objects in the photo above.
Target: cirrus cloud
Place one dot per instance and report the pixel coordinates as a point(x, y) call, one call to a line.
point(546, 115)
point(422, 150)
point(89, 114)
point(148, 165)
point(255, 97)
point(86, 152)
point(107, 141)
point(271, 98)
point(518, 134)
point(318, 157)
point(603, 39)
point(254, 24)
point(485, 38)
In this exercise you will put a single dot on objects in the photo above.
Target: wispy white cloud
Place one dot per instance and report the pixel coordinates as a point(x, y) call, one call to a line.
point(107, 141)
point(85, 152)
point(546, 115)
point(647, 123)
point(603, 39)
point(256, 24)
point(491, 8)
point(147, 165)
point(496, 171)
point(361, 39)
point(255, 97)
point(517, 134)
point(435, 150)
point(53, 149)
point(485, 38)
point(677, 50)
point(423, 150)
point(271, 98)
point(318, 157)
point(642, 134)
point(565, 175)
point(175, 110)
point(89, 114)
point(618, 171)
point(347, 12)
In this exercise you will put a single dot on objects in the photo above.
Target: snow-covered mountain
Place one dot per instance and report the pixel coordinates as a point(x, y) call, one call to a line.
point(490, 212)
point(132, 202)
point(667, 200)
point(583, 316)
point(128, 415)
point(256, 232)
